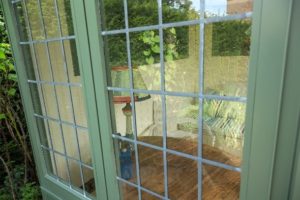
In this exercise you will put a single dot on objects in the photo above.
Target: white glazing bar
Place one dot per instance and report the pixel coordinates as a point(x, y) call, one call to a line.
point(68, 157)
point(132, 99)
point(47, 40)
point(185, 155)
point(55, 83)
point(141, 188)
point(182, 23)
point(163, 97)
point(61, 122)
point(37, 72)
point(55, 92)
point(201, 83)
point(183, 94)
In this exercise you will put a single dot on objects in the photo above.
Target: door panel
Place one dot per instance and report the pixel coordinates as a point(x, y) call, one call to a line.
point(177, 76)
point(47, 43)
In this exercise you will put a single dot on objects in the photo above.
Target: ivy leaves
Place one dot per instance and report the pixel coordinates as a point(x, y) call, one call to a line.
point(152, 42)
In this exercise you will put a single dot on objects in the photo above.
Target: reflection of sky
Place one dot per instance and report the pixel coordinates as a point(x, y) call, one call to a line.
point(216, 7)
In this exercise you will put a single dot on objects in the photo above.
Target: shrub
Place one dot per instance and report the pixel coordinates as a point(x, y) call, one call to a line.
point(17, 169)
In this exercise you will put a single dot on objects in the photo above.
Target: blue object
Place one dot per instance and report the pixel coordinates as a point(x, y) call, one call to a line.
point(126, 164)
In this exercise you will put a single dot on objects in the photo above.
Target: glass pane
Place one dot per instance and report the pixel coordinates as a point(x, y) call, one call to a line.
point(128, 192)
point(43, 70)
point(142, 13)
point(226, 54)
point(50, 19)
point(151, 169)
point(181, 54)
point(148, 196)
point(223, 131)
point(145, 57)
point(71, 70)
point(112, 14)
point(125, 160)
point(44, 99)
point(75, 173)
point(182, 124)
point(117, 61)
point(33, 19)
point(65, 17)
point(215, 8)
point(220, 183)
point(78, 111)
point(85, 148)
point(89, 182)
point(149, 120)
point(182, 178)
point(62, 167)
point(177, 11)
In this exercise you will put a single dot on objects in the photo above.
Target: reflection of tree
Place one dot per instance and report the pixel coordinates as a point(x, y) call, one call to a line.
point(142, 13)
point(55, 24)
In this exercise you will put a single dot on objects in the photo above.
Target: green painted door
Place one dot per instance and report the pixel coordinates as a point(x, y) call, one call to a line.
point(147, 99)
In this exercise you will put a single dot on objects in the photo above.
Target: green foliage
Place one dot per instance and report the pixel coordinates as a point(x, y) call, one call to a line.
point(17, 170)
point(231, 38)
point(144, 13)
point(152, 42)
point(30, 191)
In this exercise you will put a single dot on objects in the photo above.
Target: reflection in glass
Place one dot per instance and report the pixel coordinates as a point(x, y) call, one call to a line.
point(226, 58)
point(31, 10)
point(177, 11)
point(182, 124)
point(62, 167)
point(181, 54)
point(218, 183)
point(151, 169)
point(142, 13)
point(149, 120)
point(116, 60)
point(148, 196)
point(145, 57)
point(125, 160)
point(182, 178)
point(223, 131)
point(49, 19)
point(128, 192)
point(113, 17)
point(219, 8)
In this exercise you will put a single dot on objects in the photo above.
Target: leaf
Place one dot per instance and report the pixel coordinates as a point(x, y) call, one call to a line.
point(146, 40)
point(2, 116)
point(12, 77)
point(11, 67)
point(156, 39)
point(150, 60)
point(173, 31)
point(155, 49)
point(11, 92)
point(171, 46)
point(2, 55)
point(146, 53)
point(169, 57)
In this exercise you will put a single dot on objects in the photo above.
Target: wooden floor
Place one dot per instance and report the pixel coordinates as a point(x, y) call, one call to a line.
point(217, 183)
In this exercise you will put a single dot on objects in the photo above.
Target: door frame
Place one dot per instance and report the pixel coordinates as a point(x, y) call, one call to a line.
point(268, 102)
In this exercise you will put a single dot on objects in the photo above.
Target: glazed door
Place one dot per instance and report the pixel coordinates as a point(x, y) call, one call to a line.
point(176, 76)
